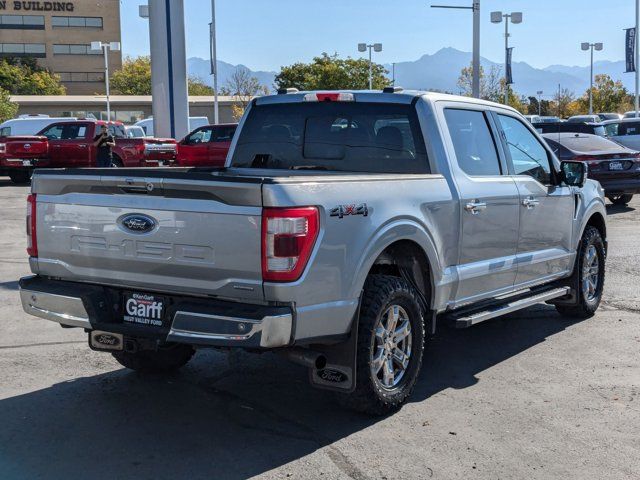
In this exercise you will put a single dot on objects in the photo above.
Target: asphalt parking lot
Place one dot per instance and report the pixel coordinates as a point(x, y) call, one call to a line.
point(532, 395)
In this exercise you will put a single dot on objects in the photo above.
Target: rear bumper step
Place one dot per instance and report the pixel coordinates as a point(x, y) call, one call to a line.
point(464, 320)
point(188, 320)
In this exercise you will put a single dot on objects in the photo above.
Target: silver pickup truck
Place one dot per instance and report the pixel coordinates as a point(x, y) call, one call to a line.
point(344, 226)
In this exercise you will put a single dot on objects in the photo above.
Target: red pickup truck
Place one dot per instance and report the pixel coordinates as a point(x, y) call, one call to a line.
point(70, 144)
point(206, 146)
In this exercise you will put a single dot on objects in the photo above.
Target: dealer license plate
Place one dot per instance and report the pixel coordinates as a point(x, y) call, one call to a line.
point(615, 166)
point(143, 309)
point(27, 163)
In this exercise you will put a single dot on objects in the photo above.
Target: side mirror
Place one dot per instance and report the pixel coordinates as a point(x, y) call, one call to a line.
point(574, 174)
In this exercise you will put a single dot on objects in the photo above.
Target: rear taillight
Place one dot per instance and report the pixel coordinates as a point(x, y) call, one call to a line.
point(32, 239)
point(288, 237)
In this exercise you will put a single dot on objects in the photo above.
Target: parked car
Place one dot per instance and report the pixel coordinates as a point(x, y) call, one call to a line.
point(550, 119)
point(625, 131)
point(609, 116)
point(533, 118)
point(70, 144)
point(29, 124)
point(345, 227)
point(206, 146)
point(630, 114)
point(584, 119)
point(134, 131)
point(194, 122)
point(615, 166)
point(560, 127)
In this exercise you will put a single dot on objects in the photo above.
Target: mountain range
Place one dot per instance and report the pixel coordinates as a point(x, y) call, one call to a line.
point(440, 71)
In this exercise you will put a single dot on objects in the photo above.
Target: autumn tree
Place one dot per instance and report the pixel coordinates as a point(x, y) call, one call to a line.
point(25, 77)
point(608, 95)
point(490, 83)
point(329, 72)
point(242, 86)
point(564, 102)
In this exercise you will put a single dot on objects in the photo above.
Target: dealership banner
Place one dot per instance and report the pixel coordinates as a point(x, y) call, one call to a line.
point(508, 74)
point(630, 49)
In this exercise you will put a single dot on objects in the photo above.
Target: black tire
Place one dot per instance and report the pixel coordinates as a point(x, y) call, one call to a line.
point(620, 199)
point(381, 293)
point(20, 177)
point(165, 359)
point(587, 301)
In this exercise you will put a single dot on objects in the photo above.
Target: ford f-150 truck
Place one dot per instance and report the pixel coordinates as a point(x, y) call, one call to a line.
point(206, 146)
point(70, 144)
point(343, 228)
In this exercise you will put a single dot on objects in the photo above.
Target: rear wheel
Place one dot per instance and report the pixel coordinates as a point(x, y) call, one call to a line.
point(166, 359)
point(390, 346)
point(20, 176)
point(588, 276)
point(620, 199)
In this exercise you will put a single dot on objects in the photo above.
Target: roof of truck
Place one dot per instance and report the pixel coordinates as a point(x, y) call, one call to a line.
point(399, 96)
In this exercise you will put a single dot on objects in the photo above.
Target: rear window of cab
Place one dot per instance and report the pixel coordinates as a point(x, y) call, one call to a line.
point(334, 136)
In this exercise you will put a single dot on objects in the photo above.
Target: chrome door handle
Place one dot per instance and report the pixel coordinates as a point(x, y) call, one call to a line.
point(530, 202)
point(82, 146)
point(475, 207)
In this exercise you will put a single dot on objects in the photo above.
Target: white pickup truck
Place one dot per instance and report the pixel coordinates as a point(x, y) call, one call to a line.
point(344, 226)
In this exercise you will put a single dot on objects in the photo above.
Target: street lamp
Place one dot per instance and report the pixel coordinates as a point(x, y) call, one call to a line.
point(377, 47)
point(516, 17)
point(475, 78)
point(105, 47)
point(539, 92)
point(591, 46)
point(214, 61)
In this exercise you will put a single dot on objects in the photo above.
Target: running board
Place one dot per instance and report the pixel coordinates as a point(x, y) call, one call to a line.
point(504, 308)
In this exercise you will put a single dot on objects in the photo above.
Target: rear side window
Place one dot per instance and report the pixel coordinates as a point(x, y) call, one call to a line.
point(223, 134)
point(5, 131)
point(336, 136)
point(629, 128)
point(65, 132)
point(472, 141)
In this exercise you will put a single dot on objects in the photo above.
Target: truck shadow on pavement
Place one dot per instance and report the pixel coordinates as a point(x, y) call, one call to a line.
point(220, 420)
point(616, 209)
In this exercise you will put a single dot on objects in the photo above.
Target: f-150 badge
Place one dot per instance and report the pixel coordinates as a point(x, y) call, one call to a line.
point(343, 210)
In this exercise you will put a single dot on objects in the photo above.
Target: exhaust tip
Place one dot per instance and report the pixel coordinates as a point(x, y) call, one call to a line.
point(321, 362)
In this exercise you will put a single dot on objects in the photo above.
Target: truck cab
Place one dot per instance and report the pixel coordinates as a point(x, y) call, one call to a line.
point(206, 146)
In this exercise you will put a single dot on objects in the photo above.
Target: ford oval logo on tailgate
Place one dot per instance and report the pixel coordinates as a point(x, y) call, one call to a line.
point(27, 146)
point(138, 223)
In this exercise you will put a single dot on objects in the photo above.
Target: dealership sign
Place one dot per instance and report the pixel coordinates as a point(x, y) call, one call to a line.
point(38, 6)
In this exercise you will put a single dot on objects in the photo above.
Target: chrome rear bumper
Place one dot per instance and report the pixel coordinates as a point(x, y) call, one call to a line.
point(213, 323)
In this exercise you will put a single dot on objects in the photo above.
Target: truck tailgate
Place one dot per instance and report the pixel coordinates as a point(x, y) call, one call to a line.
point(167, 232)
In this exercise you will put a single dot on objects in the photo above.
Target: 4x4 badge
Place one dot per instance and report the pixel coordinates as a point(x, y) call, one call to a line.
point(343, 210)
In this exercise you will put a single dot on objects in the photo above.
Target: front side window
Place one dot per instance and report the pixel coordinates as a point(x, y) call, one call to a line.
point(65, 132)
point(472, 141)
point(612, 129)
point(199, 136)
point(528, 155)
point(333, 136)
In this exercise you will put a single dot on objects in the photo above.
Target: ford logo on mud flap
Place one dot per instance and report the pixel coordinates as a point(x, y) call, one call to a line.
point(138, 223)
point(331, 375)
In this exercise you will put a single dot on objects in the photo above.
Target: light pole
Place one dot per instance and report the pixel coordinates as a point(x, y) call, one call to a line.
point(377, 47)
point(105, 47)
point(393, 74)
point(539, 92)
point(591, 46)
point(214, 61)
point(475, 78)
point(516, 17)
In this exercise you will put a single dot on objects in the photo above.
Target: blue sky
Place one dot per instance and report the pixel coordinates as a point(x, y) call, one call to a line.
point(267, 34)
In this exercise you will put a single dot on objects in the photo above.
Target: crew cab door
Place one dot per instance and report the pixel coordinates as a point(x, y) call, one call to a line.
point(69, 144)
point(489, 205)
point(546, 208)
point(129, 150)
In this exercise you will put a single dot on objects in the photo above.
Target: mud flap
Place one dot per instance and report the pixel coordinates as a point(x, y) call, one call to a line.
point(339, 374)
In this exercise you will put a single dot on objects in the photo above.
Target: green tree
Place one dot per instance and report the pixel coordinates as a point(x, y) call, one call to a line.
point(328, 72)
point(608, 95)
point(25, 77)
point(135, 79)
point(8, 109)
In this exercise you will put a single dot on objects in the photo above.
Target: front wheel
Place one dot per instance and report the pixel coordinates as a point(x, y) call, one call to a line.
point(588, 276)
point(390, 346)
point(166, 359)
point(620, 199)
